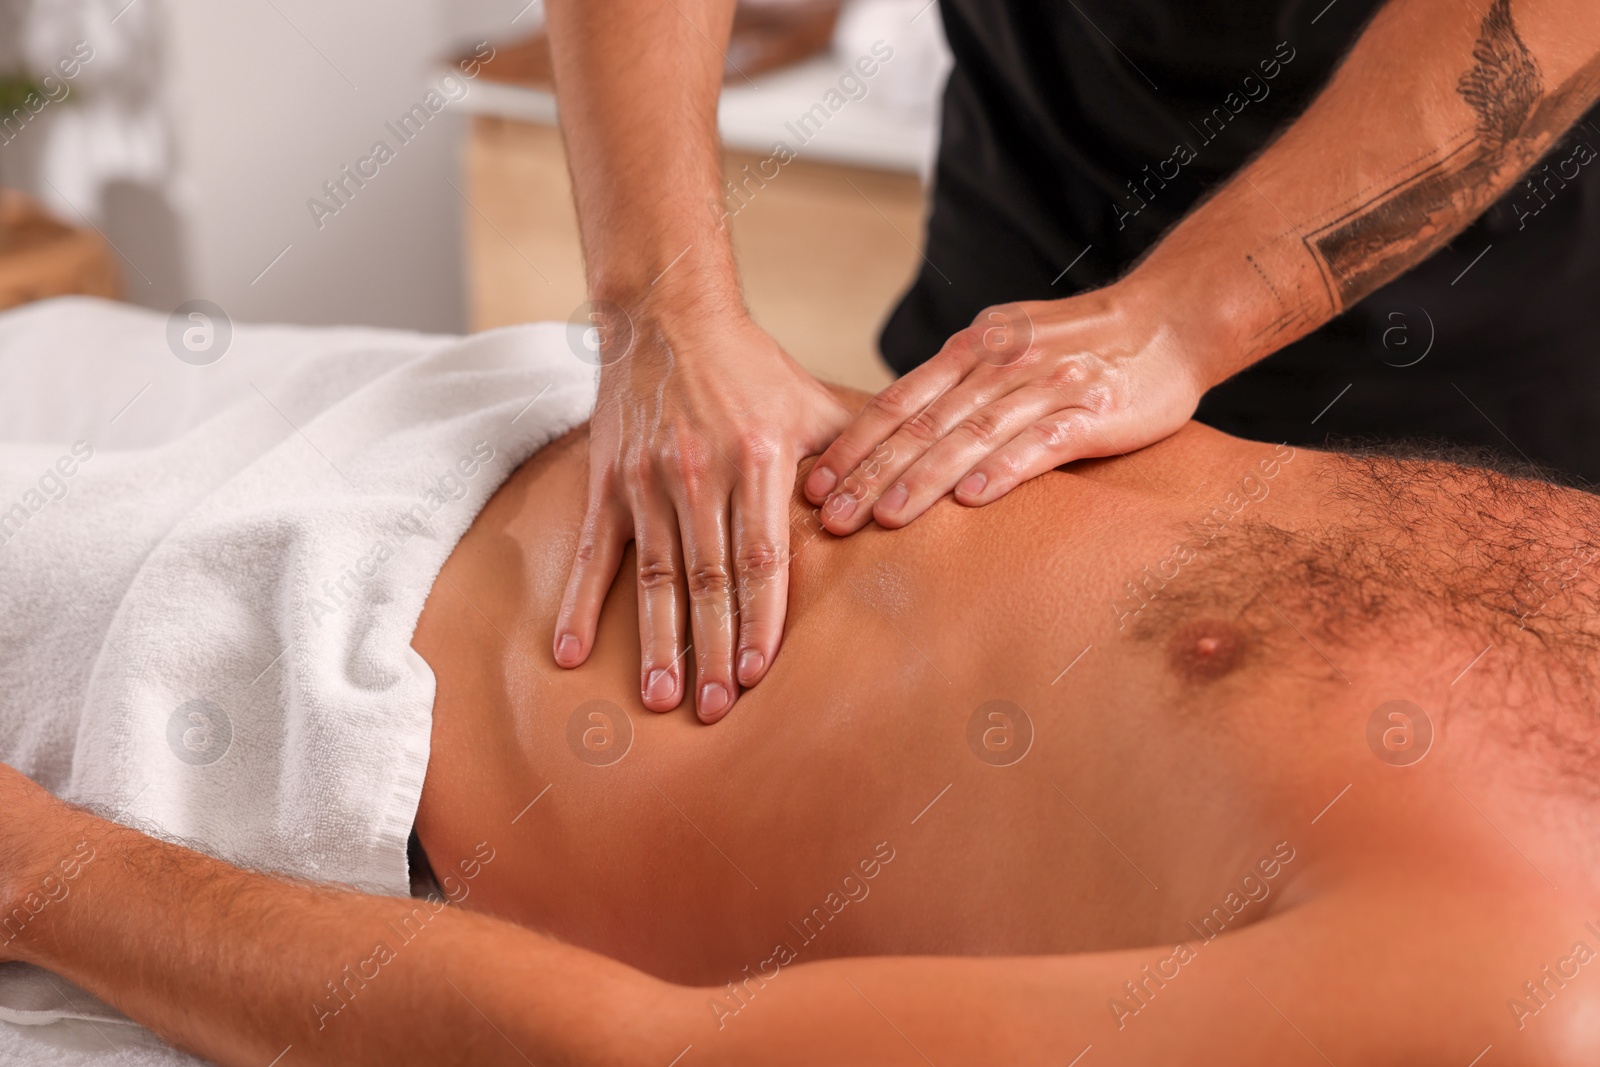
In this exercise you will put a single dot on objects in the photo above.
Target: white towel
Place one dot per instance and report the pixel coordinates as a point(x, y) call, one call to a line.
point(210, 637)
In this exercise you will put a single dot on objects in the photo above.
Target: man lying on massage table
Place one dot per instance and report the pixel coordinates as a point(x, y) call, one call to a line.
point(1220, 751)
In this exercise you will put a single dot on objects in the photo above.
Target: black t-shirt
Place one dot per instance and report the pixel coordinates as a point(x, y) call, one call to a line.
point(1075, 132)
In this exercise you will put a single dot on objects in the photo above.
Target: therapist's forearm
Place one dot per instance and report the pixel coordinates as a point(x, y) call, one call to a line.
point(1438, 109)
point(638, 83)
point(240, 967)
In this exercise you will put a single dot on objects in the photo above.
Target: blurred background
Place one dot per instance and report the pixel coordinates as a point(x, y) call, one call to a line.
point(397, 163)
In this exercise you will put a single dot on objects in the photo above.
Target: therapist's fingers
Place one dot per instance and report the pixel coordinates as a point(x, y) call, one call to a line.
point(660, 574)
point(761, 564)
point(885, 413)
point(984, 430)
point(1046, 444)
point(976, 408)
point(601, 542)
point(708, 577)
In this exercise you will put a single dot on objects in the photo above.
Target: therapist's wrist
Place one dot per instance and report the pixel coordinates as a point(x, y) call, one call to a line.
point(676, 278)
point(1215, 323)
point(671, 323)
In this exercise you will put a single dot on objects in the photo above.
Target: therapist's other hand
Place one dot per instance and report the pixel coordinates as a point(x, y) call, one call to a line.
point(696, 437)
point(1025, 388)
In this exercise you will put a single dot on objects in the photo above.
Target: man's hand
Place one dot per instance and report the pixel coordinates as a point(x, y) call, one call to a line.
point(702, 418)
point(1406, 145)
point(1025, 388)
point(692, 454)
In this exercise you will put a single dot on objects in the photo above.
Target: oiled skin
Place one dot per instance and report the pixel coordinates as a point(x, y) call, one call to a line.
point(1162, 770)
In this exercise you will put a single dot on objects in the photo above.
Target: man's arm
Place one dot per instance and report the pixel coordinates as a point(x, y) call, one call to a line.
point(242, 968)
point(1436, 111)
point(248, 970)
point(701, 417)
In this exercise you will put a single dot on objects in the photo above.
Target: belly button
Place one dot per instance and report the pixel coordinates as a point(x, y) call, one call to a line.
point(1205, 650)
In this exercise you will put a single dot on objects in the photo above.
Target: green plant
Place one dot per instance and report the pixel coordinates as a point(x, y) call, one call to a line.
point(16, 88)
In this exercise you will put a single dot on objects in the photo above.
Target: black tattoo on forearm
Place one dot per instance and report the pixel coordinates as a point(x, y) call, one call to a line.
point(1398, 225)
point(1504, 83)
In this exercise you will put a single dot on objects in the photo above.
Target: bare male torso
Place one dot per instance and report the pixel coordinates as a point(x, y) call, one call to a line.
point(1199, 639)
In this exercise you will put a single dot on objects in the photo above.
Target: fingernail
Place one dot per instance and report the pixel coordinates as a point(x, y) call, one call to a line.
point(750, 664)
point(894, 499)
point(972, 484)
point(822, 480)
point(659, 686)
point(840, 507)
point(567, 650)
point(713, 698)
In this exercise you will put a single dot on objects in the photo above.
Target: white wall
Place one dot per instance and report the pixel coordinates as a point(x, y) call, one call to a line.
point(267, 100)
point(199, 130)
point(469, 21)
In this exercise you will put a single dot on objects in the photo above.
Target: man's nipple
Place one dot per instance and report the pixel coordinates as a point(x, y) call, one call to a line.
point(1205, 650)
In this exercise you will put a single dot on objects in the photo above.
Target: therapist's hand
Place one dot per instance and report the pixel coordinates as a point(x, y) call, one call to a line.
point(693, 449)
point(1025, 388)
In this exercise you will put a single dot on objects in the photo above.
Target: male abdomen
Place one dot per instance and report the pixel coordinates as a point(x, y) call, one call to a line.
point(965, 745)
